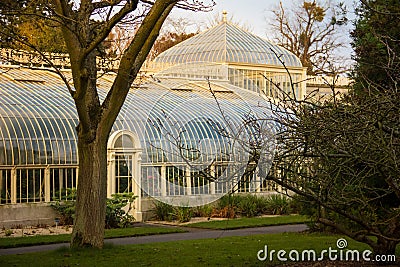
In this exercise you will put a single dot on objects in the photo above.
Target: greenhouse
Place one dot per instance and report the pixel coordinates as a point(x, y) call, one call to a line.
point(184, 136)
point(245, 60)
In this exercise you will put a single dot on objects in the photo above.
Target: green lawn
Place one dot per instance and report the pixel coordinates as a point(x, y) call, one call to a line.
point(8, 242)
point(250, 222)
point(229, 251)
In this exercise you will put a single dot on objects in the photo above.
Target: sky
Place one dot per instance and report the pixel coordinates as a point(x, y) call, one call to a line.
point(251, 13)
point(255, 16)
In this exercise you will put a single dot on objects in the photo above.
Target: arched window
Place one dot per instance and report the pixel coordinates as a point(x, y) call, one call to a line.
point(124, 141)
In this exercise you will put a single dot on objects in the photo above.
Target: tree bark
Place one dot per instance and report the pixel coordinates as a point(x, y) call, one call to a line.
point(90, 210)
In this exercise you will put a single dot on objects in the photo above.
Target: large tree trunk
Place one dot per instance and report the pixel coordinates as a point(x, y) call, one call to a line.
point(96, 119)
point(90, 210)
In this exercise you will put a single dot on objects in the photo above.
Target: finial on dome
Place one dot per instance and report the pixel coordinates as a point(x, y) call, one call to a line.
point(224, 16)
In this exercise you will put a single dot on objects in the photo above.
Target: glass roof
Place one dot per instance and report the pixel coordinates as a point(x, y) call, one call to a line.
point(38, 117)
point(227, 43)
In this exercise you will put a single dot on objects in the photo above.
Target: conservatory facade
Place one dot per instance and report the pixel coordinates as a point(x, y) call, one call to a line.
point(183, 135)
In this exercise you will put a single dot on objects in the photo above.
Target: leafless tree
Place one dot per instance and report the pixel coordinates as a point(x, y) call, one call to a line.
point(342, 156)
point(311, 31)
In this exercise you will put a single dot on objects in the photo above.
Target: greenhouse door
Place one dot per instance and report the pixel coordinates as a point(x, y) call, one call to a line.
point(124, 166)
point(124, 178)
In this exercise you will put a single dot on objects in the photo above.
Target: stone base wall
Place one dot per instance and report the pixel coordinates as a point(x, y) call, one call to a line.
point(31, 214)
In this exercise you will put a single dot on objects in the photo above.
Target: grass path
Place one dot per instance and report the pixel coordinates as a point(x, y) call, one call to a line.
point(250, 222)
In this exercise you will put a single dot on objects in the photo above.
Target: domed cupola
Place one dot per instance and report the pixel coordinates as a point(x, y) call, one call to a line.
point(227, 43)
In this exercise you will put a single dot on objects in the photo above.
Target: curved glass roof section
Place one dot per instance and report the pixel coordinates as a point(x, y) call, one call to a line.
point(38, 117)
point(227, 43)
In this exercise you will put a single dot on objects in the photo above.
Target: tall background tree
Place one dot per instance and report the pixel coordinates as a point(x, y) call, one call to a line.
point(44, 35)
point(376, 44)
point(176, 31)
point(85, 25)
point(311, 30)
point(173, 32)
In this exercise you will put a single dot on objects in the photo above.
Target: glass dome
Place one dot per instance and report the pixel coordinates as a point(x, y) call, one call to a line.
point(227, 43)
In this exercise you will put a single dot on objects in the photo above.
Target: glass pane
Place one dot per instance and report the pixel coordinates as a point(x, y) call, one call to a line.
point(5, 186)
point(123, 141)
